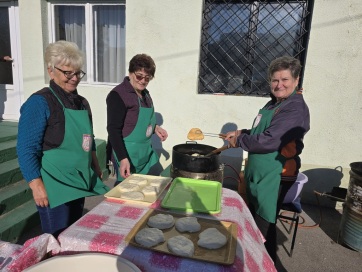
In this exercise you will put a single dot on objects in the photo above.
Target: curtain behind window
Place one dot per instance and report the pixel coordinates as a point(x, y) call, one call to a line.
point(109, 31)
point(107, 41)
point(70, 26)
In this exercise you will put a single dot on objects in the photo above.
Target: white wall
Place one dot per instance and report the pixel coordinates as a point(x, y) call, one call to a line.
point(169, 31)
point(333, 83)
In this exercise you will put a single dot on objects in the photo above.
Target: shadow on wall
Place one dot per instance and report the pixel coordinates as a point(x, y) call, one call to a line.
point(321, 180)
point(156, 143)
point(232, 159)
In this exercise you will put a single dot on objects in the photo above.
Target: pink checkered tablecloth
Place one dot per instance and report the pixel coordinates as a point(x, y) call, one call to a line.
point(15, 258)
point(104, 229)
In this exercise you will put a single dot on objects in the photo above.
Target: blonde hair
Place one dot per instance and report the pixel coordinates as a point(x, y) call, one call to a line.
point(63, 53)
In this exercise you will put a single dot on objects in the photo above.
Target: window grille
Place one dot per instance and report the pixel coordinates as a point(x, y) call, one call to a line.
point(240, 38)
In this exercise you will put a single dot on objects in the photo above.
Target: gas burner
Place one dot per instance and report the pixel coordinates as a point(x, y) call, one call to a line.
point(217, 175)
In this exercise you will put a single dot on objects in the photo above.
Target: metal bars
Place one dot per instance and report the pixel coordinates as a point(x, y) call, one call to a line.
point(240, 38)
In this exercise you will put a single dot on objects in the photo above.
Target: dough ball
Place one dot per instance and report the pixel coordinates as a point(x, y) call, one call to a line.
point(128, 187)
point(150, 191)
point(149, 237)
point(161, 221)
point(140, 181)
point(133, 195)
point(181, 245)
point(187, 224)
point(211, 238)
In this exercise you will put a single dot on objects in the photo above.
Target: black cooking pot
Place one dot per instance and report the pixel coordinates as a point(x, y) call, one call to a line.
point(183, 159)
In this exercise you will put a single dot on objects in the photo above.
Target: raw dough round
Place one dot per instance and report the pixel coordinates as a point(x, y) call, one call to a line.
point(149, 237)
point(181, 245)
point(158, 183)
point(140, 181)
point(128, 187)
point(161, 221)
point(187, 224)
point(211, 238)
point(133, 195)
point(150, 191)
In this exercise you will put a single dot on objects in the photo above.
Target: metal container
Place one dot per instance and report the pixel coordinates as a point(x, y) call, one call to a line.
point(189, 157)
point(217, 175)
point(351, 223)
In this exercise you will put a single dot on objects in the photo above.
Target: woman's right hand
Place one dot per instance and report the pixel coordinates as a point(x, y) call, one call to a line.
point(231, 137)
point(39, 193)
point(125, 168)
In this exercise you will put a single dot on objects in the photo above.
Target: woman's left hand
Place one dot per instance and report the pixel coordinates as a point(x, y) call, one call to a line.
point(161, 133)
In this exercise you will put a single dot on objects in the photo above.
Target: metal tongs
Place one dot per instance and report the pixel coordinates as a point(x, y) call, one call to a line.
point(197, 134)
point(219, 135)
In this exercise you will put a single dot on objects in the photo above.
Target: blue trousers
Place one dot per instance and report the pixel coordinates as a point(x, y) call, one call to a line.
point(55, 220)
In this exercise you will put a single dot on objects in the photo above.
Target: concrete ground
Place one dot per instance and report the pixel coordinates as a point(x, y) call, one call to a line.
point(316, 247)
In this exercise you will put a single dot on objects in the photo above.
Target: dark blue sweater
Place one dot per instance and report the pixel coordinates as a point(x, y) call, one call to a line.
point(33, 122)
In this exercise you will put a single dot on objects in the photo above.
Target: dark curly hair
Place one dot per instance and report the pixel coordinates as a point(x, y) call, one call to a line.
point(142, 61)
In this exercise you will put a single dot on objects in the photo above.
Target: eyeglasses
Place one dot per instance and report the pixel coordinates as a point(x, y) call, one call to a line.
point(69, 75)
point(140, 77)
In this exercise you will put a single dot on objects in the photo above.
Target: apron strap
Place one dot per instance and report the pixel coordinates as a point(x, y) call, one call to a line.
point(139, 101)
point(61, 103)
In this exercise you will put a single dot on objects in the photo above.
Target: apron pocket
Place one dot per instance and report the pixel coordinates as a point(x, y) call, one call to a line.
point(73, 177)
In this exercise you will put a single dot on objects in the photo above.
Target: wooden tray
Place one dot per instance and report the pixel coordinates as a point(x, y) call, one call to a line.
point(223, 255)
point(115, 193)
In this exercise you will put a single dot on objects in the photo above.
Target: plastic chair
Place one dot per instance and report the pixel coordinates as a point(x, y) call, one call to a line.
point(292, 204)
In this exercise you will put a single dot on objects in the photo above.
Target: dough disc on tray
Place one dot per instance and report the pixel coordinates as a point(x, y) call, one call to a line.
point(187, 224)
point(181, 245)
point(161, 221)
point(128, 187)
point(157, 182)
point(211, 238)
point(140, 181)
point(150, 191)
point(133, 195)
point(149, 237)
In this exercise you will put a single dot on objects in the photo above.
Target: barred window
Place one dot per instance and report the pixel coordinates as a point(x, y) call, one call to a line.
point(240, 38)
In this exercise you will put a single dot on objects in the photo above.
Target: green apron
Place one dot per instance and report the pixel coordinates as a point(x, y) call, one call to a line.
point(66, 170)
point(263, 172)
point(138, 143)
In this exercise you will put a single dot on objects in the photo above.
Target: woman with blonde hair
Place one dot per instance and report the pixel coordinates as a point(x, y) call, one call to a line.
point(56, 149)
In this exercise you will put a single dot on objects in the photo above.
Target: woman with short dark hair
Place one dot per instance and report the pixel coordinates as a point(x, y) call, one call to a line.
point(131, 122)
point(274, 144)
